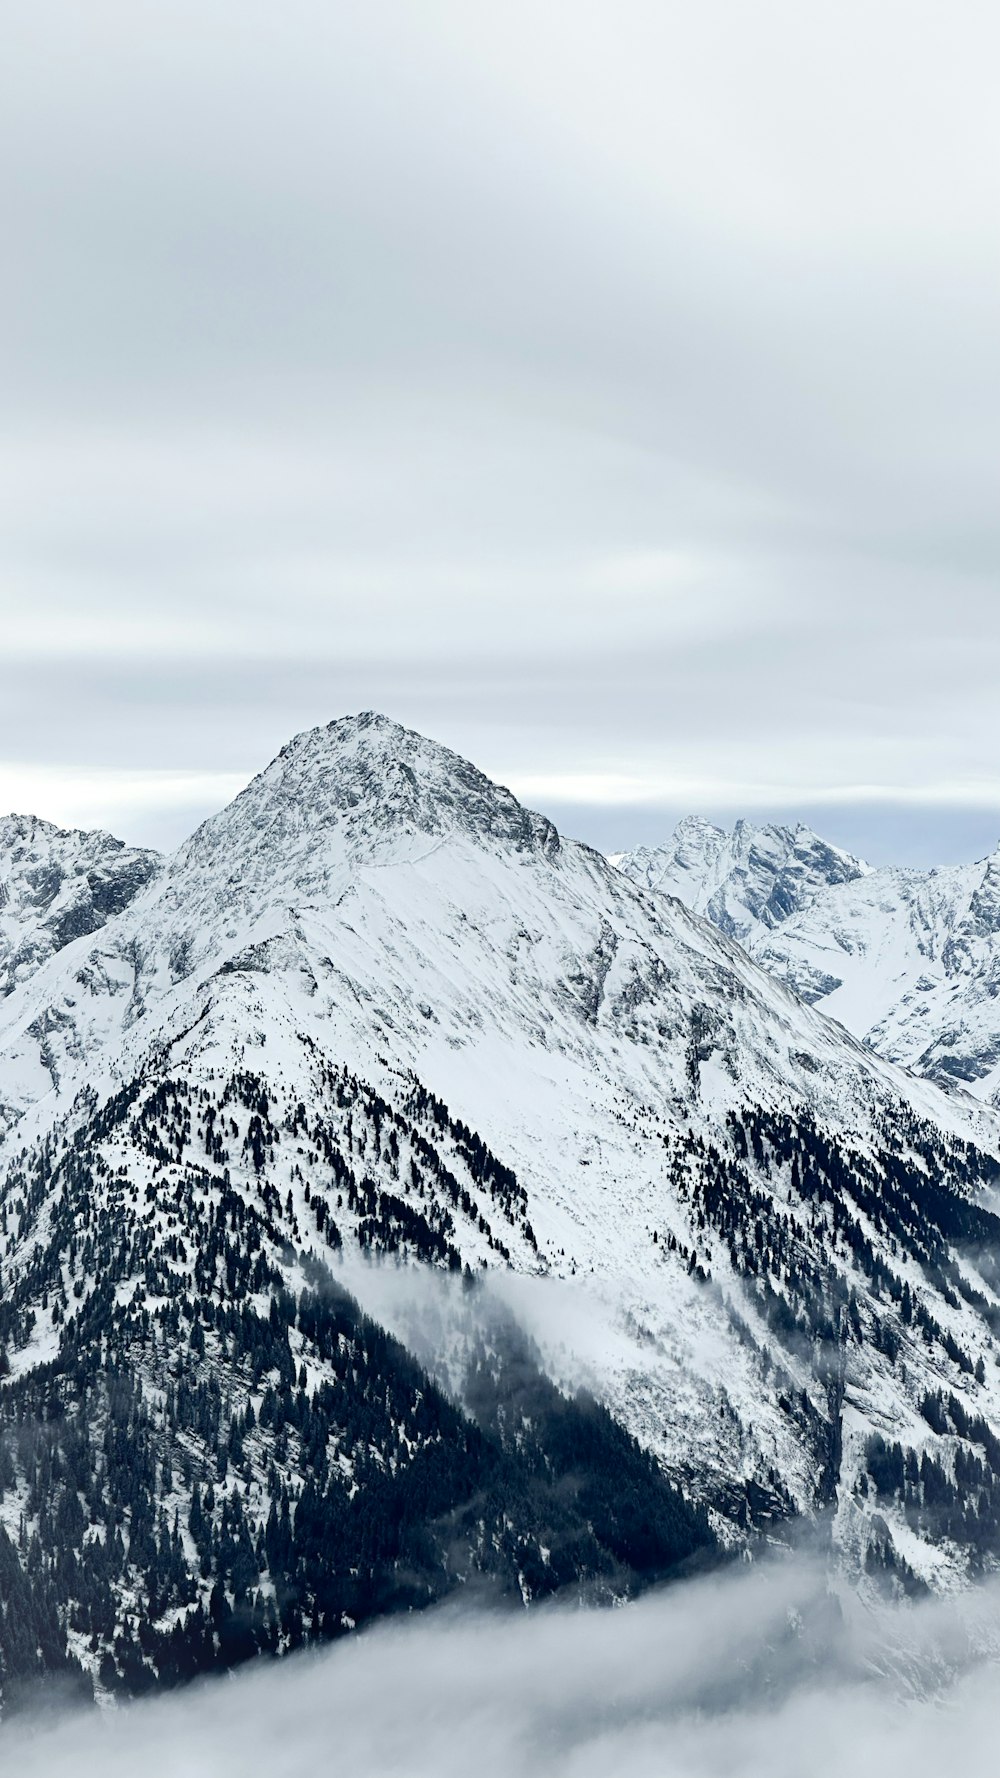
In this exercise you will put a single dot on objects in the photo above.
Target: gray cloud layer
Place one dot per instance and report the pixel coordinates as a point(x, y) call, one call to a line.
point(611, 391)
point(732, 1677)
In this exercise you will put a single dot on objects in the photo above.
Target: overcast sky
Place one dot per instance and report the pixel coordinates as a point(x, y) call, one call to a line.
point(609, 389)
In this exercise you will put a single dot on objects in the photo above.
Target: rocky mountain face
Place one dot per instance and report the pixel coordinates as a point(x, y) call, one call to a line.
point(746, 882)
point(57, 885)
point(907, 960)
point(376, 1026)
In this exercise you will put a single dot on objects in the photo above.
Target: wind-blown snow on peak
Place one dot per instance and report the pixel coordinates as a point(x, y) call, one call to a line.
point(746, 881)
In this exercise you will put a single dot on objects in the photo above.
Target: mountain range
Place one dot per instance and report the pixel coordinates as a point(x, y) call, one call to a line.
point(398, 1197)
point(908, 960)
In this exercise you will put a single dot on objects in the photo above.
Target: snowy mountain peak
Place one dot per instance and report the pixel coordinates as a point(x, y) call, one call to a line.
point(746, 881)
point(696, 826)
point(362, 788)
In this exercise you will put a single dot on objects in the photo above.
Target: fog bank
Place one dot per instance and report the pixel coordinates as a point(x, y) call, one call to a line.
point(749, 1672)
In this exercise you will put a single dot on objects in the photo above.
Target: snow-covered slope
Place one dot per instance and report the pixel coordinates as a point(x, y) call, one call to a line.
point(375, 1005)
point(419, 907)
point(908, 960)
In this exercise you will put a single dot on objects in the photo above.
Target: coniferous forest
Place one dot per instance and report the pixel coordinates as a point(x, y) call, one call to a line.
point(226, 1458)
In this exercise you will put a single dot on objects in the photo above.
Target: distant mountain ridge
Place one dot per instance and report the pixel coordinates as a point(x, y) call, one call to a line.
point(58, 884)
point(908, 960)
point(746, 881)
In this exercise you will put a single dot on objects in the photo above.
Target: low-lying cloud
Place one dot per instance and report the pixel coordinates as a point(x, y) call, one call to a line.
point(754, 1671)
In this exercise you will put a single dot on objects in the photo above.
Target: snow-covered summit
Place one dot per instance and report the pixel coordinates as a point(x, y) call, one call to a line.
point(746, 881)
point(370, 857)
point(360, 787)
point(414, 896)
